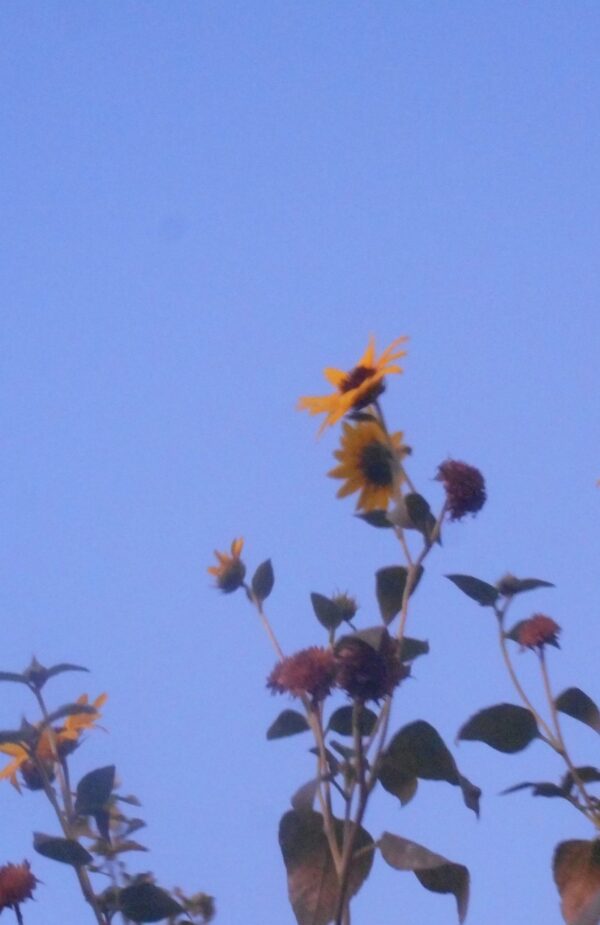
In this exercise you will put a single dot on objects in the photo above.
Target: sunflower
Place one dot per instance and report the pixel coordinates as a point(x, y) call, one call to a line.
point(230, 571)
point(355, 389)
point(370, 463)
point(65, 736)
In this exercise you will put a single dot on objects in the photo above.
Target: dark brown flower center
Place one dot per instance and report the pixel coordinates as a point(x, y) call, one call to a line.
point(376, 464)
point(355, 378)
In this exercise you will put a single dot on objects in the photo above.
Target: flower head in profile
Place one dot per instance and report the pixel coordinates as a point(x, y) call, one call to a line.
point(309, 671)
point(17, 884)
point(357, 388)
point(369, 462)
point(465, 488)
point(63, 739)
point(537, 632)
point(230, 572)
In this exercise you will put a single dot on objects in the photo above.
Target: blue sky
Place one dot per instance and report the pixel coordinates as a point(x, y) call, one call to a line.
point(203, 205)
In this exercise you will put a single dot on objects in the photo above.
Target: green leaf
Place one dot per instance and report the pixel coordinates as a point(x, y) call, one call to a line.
point(312, 878)
point(420, 514)
point(64, 666)
point(263, 581)
point(326, 611)
point(390, 583)
point(146, 902)
point(376, 519)
point(478, 590)
point(341, 721)
point(412, 648)
point(304, 797)
point(543, 789)
point(506, 727)
point(513, 632)
point(396, 782)
point(13, 676)
point(586, 774)
point(434, 872)
point(574, 702)
point(14, 737)
point(65, 850)
point(418, 751)
point(288, 723)
point(70, 709)
point(509, 585)
point(94, 790)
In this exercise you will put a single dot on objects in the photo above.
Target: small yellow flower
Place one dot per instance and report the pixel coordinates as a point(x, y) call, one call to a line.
point(69, 733)
point(357, 388)
point(369, 463)
point(230, 571)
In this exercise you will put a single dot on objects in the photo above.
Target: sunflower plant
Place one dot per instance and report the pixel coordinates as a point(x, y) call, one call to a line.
point(95, 831)
point(345, 686)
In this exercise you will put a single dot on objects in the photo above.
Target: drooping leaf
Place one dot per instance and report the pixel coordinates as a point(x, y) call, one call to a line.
point(506, 727)
point(471, 794)
point(146, 902)
point(326, 611)
point(390, 583)
point(396, 782)
point(480, 591)
point(418, 751)
point(412, 648)
point(376, 519)
point(509, 585)
point(341, 721)
point(263, 581)
point(543, 789)
point(312, 879)
point(434, 872)
point(576, 868)
point(288, 723)
point(574, 702)
point(65, 850)
point(94, 790)
point(13, 676)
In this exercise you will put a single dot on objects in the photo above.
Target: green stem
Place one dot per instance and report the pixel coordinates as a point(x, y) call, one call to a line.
point(561, 748)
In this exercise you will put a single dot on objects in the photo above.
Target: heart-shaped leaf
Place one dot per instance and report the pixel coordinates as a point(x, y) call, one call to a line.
point(506, 727)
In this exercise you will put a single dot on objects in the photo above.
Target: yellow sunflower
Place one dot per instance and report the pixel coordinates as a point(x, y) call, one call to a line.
point(369, 462)
point(74, 726)
point(230, 572)
point(357, 388)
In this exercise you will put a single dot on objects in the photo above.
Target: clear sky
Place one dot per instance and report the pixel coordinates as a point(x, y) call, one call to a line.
point(204, 204)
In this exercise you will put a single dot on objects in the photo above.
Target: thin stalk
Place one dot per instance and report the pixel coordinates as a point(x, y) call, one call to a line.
point(62, 778)
point(548, 734)
point(314, 720)
point(592, 812)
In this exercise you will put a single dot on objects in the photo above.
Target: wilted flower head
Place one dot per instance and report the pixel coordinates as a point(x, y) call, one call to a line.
point(16, 884)
point(231, 571)
point(465, 488)
point(357, 388)
point(309, 671)
point(538, 631)
point(366, 672)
